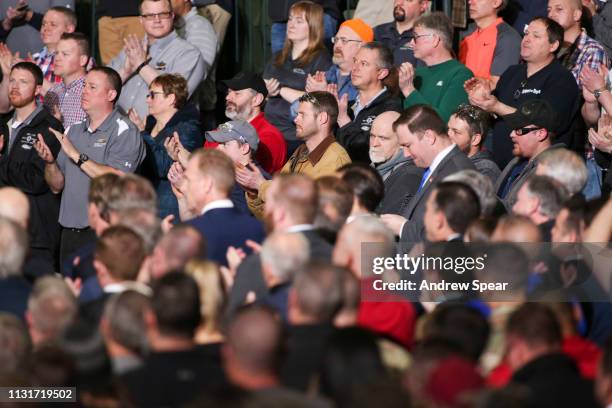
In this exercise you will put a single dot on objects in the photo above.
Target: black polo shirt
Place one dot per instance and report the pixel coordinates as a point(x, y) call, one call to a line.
point(396, 42)
point(553, 83)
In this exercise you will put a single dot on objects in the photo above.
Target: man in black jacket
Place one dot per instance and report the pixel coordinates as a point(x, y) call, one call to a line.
point(370, 74)
point(20, 165)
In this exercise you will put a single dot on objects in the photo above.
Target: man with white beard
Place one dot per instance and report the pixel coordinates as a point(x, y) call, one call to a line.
point(400, 175)
point(246, 94)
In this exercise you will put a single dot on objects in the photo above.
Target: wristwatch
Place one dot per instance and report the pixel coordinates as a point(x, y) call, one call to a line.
point(82, 159)
point(598, 92)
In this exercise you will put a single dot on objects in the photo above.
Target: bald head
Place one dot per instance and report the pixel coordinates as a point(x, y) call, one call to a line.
point(15, 206)
point(296, 196)
point(516, 228)
point(176, 248)
point(384, 143)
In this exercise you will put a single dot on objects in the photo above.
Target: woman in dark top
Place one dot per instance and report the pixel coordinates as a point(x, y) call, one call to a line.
point(304, 53)
point(168, 113)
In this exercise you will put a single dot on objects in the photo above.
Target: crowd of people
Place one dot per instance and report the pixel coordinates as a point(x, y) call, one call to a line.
point(152, 255)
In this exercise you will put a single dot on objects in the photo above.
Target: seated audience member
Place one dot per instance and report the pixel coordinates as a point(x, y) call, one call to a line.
point(400, 176)
point(564, 166)
point(240, 142)
point(14, 289)
point(20, 166)
point(532, 135)
point(383, 313)
point(481, 185)
point(439, 82)
point(542, 77)
point(71, 63)
point(162, 51)
point(534, 353)
point(372, 75)
point(468, 127)
point(291, 206)
point(450, 209)
point(488, 28)
point(169, 115)
point(303, 53)
point(397, 34)
point(314, 298)
point(245, 100)
point(282, 253)
point(124, 331)
point(516, 228)
point(423, 134)
point(540, 199)
point(16, 345)
point(175, 249)
point(118, 256)
point(213, 296)
point(368, 189)
point(51, 308)
point(334, 206)
point(175, 371)
point(319, 156)
point(203, 196)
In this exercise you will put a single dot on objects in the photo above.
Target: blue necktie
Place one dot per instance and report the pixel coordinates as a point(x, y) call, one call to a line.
point(424, 179)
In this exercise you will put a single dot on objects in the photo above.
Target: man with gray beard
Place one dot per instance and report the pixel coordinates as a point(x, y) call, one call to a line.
point(399, 173)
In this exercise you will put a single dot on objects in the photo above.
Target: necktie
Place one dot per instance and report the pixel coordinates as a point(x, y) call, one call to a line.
point(424, 179)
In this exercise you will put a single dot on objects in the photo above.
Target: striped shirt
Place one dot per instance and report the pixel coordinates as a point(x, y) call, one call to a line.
point(199, 32)
point(585, 51)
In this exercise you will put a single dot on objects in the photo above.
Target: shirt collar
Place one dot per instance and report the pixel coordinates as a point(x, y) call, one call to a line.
point(318, 151)
point(213, 205)
point(358, 106)
point(128, 285)
point(491, 27)
point(74, 84)
point(30, 116)
point(105, 125)
point(162, 42)
point(300, 228)
point(439, 157)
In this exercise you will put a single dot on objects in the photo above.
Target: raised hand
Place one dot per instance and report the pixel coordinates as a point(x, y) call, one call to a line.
point(136, 119)
point(176, 150)
point(406, 78)
point(135, 50)
point(249, 177)
point(602, 138)
point(316, 82)
point(593, 80)
point(273, 86)
point(6, 59)
point(177, 179)
point(480, 94)
point(66, 144)
point(43, 150)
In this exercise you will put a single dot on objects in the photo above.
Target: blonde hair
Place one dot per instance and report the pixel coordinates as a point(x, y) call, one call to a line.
point(314, 17)
point(212, 292)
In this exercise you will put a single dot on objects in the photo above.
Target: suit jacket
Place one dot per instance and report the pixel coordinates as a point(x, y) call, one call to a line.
point(224, 227)
point(414, 211)
point(14, 294)
point(400, 186)
point(249, 277)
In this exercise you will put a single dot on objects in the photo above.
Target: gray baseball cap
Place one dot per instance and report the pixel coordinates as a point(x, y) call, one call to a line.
point(238, 130)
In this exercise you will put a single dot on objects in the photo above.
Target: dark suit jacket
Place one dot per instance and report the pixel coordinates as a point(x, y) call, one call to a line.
point(414, 229)
point(224, 227)
point(401, 185)
point(249, 277)
point(14, 293)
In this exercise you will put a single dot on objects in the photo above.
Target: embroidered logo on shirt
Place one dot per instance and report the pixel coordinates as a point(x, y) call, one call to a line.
point(299, 71)
point(161, 66)
point(128, 165)
point(100, 143)
point(440, 83)
point(533, 91)
point(366, 123)
point(28, 140)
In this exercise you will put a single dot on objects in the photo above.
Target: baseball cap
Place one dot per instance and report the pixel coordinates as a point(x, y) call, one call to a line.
point(361, 28)
point(533, 112)
point(238, 130)
point(245, 80)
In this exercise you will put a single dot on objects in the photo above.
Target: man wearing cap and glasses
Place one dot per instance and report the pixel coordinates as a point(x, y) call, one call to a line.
point(162, 51)
point(246, 95)
point(533, 124)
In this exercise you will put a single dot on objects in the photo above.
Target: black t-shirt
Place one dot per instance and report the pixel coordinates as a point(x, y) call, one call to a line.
point(290, 75)
point(398, 43)
point(553, 83)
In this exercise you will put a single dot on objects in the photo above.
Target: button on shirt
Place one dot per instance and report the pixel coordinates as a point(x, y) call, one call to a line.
point(68, 99)
point(170, 54)
point(115, 143)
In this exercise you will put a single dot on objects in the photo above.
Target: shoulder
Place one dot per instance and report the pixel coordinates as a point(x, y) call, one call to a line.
point(181, 46)
point(506, 32)
point(383, 29)
point(336, 151)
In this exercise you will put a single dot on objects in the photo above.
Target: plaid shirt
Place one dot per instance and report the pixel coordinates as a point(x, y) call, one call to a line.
point(46, 61)
point(584, 52)
point(68, 100)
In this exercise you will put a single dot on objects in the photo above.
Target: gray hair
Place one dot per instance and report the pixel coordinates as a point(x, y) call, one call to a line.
point(13, 248)
point(441, 24)
point(284, 253)
point(124, 313)
point(564, 166)
point(51, 305)
point(549, 192)
point(318, 290)
point(481, 185)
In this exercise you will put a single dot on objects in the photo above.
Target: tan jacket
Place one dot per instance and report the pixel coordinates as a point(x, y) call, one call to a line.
point(324, 160)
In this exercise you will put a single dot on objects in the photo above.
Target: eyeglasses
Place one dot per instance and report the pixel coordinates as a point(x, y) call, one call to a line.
point(154, 16)
point(524, 130)
point(415, 37)
point(152, 94)
point(343, 40)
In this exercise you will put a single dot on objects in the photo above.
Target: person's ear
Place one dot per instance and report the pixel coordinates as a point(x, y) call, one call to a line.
point(430, 137)
point(101, 270)
point(38, 90)
point(70, 28)
point(83, 60)
point(382, 73)
point(542, 134)
point(554, 46)
point(172, 99)
point(476, 139)
point(111, 95)
point(323, 118)
point(577, 14)
point(257, 100)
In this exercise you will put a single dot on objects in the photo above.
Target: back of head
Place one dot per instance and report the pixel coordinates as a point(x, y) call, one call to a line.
point(51, 306)
point(218, 166)
point(516, 228)
point(121, 251)
point(254, 337)
point(144, 223)
point(420, 118)
point(131, 192)
point(13, 248)
point(15, 206)
point(124, 315)
point(461, 325)
point(367, 184)
point(506, 263)
point(318, 291)
point(550, 193)
point(179, 245)
point(481, 185)
point(14, 343)
point(441, 24)
point(458, 203)
point(176, 304)
point(101, 193)
point(565, 166)
point(282, 253)
point(297, 194)
point(535, 324)
point(335, 203)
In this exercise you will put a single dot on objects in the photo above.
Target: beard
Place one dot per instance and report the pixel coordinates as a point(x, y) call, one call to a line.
point(377, 157)
point(233, 112)
point(337, 58)
point(399, 14)
point(18, 101)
